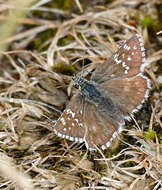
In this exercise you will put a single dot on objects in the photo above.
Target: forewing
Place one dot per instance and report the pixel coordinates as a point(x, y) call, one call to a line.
point(70, 124)
point(127, 93)
point(127, 61)
point(100, 128)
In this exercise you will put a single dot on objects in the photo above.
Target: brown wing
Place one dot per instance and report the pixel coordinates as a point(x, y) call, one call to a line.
point(126, 62)
point(127, 93)
point(100, 129)
point(70, 124)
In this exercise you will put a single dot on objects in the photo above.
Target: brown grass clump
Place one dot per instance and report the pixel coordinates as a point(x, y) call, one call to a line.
point(42, 45)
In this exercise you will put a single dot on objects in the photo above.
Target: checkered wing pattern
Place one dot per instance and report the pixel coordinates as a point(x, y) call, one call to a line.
point(117, 89)
point(128, 61)
point(100, 128)
point(70, 124)
point(127, 93)
point(121, 77)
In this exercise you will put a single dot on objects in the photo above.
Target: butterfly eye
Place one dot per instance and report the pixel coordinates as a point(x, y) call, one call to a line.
point(76, 86)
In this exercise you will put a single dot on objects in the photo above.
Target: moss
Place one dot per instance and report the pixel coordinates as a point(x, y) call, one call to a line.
point(148, 22)
point(41, 38)
point(48, 34)
point(159, 84)
point(65, 40)
point(62, 4)
point(36, 44)
point(128, 164)
point(111, 152)
point(64, 69)
point(150, 135)
point(3, 147)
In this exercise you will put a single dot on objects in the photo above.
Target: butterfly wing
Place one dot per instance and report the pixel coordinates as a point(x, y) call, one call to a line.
point(70, 124)
point(127, 93)
point(126, 62)
point(100, 129)
point(121, 76)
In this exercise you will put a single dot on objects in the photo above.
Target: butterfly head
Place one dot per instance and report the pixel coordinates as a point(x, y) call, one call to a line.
point(78, 82)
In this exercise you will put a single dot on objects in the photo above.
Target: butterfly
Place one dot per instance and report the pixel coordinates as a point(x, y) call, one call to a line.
point(96, 114)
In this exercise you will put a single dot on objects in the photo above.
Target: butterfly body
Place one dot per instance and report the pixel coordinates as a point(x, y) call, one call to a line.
point(92, 93)
point(117, 89)
point(88, 89)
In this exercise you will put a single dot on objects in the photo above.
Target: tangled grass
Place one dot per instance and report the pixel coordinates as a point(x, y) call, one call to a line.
point(39, 54)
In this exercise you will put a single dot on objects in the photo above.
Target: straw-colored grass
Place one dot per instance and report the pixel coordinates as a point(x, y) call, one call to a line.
point(42, 45)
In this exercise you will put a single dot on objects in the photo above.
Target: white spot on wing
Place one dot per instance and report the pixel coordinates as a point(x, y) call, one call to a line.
point(59, 134)
point(76, 139)
point(126, 47)
point(117, 61)
point(69, 111)
point(103, 147)
point(134, 47)
point(113, 137)
point(108, 144)
point(71, 138)
point(123, 64)
point(81, 140)
point(143, 54)
point(125, 72)
point(80, 124)
point(129, 59)
point(127, 67)
point(142, 47)
point(115, 55)
point(77, 120)
point(63, 121)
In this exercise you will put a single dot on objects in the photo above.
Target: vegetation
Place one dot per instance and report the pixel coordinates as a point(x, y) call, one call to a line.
point(43, 44)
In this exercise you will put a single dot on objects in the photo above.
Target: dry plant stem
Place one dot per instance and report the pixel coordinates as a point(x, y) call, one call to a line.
point(9, 171)
point(27, 137)
point(32, 21)
point(79, 5)
point(53, 46)
point(10, 25)
point(20, 101)
point(28, 33)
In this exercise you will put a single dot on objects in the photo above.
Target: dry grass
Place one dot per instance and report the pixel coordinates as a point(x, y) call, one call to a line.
point(49, 46)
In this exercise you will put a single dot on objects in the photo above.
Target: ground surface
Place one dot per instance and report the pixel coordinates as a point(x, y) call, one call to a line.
point(42, 45)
